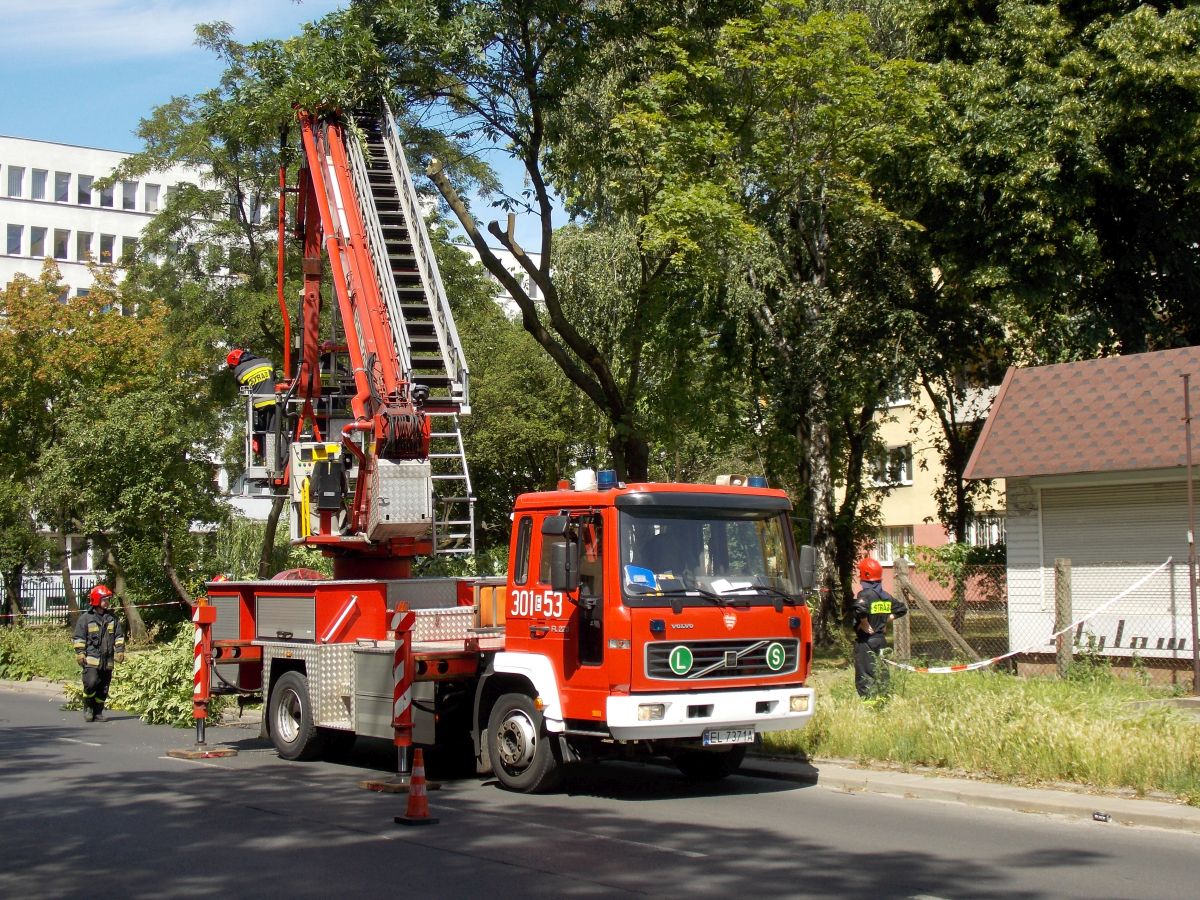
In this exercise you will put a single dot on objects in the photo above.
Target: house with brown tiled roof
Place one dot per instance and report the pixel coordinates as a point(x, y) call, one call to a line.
point(1093, 457)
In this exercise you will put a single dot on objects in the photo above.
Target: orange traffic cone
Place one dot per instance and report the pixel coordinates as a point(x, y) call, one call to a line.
point(418, 801)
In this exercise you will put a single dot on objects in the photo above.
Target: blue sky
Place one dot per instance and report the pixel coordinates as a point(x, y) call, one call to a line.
point(87, 71)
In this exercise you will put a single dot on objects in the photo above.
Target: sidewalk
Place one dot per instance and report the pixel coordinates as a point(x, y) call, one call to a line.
point(839, 775)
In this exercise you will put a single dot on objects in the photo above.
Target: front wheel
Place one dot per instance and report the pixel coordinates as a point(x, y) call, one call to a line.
point(290, 716)
point(709, 765)
point(520, 749)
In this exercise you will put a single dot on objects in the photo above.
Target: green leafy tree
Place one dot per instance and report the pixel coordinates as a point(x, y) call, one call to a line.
point(518, 75)
point(809, 128)
point(1062, 181)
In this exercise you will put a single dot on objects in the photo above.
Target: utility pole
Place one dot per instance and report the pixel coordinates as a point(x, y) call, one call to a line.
point(1187, 424)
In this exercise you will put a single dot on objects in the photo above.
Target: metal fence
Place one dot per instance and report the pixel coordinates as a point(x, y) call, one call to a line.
point(1129, 612)
point(43, 598)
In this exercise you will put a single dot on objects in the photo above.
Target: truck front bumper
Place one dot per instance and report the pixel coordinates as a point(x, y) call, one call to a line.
point(689, 715)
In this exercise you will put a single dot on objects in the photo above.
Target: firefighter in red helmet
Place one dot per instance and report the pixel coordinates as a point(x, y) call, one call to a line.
point(873, 608)
point(257, 375)
point(99, 643)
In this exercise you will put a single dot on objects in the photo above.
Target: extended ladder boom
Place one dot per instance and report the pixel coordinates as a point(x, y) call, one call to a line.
point(368, 429)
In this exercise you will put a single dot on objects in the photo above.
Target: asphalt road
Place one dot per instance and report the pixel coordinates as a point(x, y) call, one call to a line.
point(100, 810)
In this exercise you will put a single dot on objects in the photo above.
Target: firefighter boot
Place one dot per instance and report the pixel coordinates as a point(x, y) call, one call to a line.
point(99, 716)
point(89, 714)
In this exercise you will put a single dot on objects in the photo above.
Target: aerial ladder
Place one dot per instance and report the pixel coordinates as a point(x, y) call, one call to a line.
point(367, 444)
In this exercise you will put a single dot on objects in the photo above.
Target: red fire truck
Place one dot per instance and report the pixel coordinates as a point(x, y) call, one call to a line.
point(635, 619)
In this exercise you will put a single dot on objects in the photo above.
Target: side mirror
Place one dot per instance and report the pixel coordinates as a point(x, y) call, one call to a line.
point(564, 566)
point(808, 567)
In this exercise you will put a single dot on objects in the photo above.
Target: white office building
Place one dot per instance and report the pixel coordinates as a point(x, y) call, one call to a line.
point(51, 208)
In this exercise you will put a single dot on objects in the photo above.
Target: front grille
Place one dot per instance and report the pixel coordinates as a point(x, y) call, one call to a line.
point(713, 660)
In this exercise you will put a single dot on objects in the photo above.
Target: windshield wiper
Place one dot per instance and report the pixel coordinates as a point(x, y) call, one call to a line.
point(674, 594)
point(781, 596)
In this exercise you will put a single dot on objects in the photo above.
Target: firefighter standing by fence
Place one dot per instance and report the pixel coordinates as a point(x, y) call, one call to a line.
point(873, 609)
point(99, 642)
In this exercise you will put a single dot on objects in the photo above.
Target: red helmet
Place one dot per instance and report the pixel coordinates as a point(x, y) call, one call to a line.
point(234, 357)
point(869, 570)
point(99, 595)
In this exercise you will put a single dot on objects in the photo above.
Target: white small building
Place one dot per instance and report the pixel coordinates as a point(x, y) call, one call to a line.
point(50, 208)
point(1093, 456)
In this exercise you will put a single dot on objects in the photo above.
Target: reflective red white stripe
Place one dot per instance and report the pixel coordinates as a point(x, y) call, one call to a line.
point(201, 648)
point(402, 677)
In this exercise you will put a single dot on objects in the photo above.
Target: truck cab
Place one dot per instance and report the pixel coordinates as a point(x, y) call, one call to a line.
point(651, 618)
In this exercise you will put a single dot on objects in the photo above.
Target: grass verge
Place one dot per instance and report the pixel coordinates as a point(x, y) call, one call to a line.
point(1084, 730)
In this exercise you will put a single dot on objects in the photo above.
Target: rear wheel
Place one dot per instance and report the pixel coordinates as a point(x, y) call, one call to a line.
point(709, 765)
point(293, 727)
point(521, 752)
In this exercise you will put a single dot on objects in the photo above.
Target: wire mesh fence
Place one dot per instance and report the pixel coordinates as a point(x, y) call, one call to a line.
point(1128, 612)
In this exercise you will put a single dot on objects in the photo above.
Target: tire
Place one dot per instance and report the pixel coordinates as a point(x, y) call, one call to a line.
point(522, 754)
point(291, 722)
point(709, 765)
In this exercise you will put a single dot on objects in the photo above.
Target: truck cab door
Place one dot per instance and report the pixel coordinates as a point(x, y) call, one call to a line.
point(578, 644)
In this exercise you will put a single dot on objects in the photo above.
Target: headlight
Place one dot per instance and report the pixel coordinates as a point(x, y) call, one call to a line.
point(799, 703)
point(648, 712)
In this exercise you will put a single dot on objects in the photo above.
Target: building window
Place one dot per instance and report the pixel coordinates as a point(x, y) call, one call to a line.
point(82, 292)
point(62, 238)
point(106, 196)
point(15, 234)
point(150, 199)
point(83, 192)
point(83, 245)
point(985, 530)
point(37, 241)
point(128, 249)
point(107, 241)
point(129, 195)
point(16, 181)
point(898, 395)
point(38, 186)
point(892, 543)
point(62, 187)
point(894, 466)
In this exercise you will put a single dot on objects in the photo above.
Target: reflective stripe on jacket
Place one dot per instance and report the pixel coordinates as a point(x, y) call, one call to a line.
point(257, 374)
point(99, 637)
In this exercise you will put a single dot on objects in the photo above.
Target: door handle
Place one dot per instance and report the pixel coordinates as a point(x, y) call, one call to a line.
point(537, 631)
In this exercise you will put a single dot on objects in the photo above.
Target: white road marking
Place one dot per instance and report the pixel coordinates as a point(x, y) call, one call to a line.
point(85, 743)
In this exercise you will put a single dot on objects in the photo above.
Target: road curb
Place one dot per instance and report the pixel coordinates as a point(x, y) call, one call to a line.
point(42, 687)
point(1102, 808)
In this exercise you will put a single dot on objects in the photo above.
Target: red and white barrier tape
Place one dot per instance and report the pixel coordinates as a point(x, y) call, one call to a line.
point(83, 607)
point(984, 663)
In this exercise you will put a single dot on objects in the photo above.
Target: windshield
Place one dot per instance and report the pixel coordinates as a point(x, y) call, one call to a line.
point(707, 555)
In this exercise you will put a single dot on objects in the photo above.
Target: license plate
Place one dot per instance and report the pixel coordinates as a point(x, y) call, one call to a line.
point(715, 736)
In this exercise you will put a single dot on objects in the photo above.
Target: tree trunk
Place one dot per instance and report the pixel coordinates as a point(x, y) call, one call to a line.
point(266, 557)
point(137, 628)
point(631, 456)
point(64, 568)
point(824, 539)
point(12, 592)
point(169, 566)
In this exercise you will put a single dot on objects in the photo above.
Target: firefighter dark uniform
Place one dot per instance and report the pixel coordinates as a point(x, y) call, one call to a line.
point(99, 643)
point(873, 609)
point(257, 375)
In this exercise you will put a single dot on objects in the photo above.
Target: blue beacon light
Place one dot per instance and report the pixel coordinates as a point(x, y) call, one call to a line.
point(606, 479)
